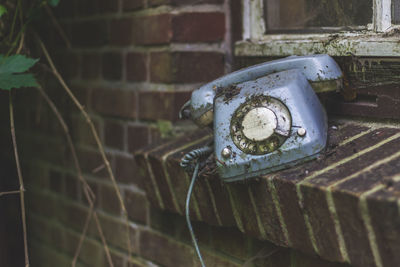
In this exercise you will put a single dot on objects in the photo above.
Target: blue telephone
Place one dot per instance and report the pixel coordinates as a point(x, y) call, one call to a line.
point(266, 117)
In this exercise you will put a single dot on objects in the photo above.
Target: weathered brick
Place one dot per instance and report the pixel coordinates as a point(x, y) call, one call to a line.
point(128, 5)
point(89, 33)
point(116, 232)
point(56, 180)
point(155, 105)
point(165, 251)
point(91, 66)
point(198, 27)
point(112, 66)
point(86, 8)
point(174, 67)
point(114, 102)
point(183, 2)
point(264, 204)
point(136, 67)
point(126, 170)
point(315, 205)
point(71, 187)
point(137, 206)
point(107, 6)
point(114, 134)
point(91, 161)
point(121, 31)
point(109, 200)
point(67, 64)
point(152, 30)
point(138, 137)
point(353, 228)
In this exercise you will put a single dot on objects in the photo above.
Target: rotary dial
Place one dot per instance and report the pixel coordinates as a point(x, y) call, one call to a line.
point(261, 125)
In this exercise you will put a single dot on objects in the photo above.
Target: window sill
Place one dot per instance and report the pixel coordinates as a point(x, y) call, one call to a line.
point(335, 44)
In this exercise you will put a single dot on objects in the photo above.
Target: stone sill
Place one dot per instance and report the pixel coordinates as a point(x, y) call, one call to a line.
point(343, 206)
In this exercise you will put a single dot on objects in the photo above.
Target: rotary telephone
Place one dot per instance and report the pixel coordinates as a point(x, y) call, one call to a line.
point(266, 117)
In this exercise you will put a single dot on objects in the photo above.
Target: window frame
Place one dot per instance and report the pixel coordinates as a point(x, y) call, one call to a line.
point(379, 39)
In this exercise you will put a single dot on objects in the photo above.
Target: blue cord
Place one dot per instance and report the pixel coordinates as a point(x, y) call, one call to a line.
point(189, 194)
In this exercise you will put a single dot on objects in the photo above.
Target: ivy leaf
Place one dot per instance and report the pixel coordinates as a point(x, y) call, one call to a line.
point(3, 10)
point(54, 3)
point(11, 72)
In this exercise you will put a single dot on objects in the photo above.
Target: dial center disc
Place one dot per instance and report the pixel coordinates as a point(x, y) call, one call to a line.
point(259, 124)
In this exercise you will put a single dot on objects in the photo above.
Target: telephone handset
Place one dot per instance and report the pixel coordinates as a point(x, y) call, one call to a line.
point(266, 117)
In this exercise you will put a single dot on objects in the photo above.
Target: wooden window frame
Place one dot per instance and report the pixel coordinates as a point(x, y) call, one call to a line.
point(380, 39)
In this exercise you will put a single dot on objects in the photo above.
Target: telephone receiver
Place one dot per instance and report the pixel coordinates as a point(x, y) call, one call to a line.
point(266, 117)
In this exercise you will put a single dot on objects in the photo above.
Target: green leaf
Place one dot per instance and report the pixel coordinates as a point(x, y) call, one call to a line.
point(54, 2)
point(11, 69)
point(16, 63)
point(3, 10)
point(9, 81)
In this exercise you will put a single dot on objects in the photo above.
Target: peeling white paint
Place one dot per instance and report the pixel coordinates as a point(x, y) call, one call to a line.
point(369, 42)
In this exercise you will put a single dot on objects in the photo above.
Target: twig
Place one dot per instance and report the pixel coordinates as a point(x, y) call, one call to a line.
point(95, 135)
point(10, 193)
point(57, 25)
point(21, 181)
point(87, 190)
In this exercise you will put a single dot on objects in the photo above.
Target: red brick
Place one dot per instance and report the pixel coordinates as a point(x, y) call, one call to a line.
point(183, 2)
point(152, 30)
point(67, 63)
point(186, 67)
point(129, 5)
point(108, 6)
point(161, 67)
point(89, 33)
point(112, 66)
point(114, 134)
point(155, 105)
point(198, 27)
point(136, 67)
point(121, 31)
point(56, 181)
point(109, 199)
point(138, 137)
point(126, 170)
point(114, 102)
point(137, 206)
point(86, 7)
point(91, 161)
point(165, 251)
point(81, 131)
point(71, 187)
point(91, 66)
point(65, 9)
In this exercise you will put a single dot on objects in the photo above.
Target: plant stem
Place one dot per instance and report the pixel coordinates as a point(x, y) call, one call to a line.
point(87, 190)
point(21, 181)
point(95, 135)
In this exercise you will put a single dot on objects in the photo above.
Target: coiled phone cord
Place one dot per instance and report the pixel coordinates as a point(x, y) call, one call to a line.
point(187, 163)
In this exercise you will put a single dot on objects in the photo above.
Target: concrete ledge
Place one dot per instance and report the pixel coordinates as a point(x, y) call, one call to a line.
point(343, 206)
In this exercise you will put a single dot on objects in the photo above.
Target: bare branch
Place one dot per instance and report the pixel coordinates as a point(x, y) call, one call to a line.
point(95, 135)
point(87, 190)
point(21, 182)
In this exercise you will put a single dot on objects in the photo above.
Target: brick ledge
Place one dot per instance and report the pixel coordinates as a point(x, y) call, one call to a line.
point(342, 206)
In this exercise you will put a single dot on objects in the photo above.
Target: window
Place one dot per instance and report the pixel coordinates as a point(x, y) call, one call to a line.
point(335, 27)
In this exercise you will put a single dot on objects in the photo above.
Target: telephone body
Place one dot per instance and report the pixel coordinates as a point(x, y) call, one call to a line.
point(266, 117)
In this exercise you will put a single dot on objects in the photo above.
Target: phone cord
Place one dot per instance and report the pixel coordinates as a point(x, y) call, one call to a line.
point(187, 163)
point(187, 208)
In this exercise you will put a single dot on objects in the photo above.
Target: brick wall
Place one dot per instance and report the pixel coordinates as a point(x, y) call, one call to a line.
point(132, 64)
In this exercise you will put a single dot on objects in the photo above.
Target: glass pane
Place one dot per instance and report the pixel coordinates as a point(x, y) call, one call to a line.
point(396, 11)
point(316, 14)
